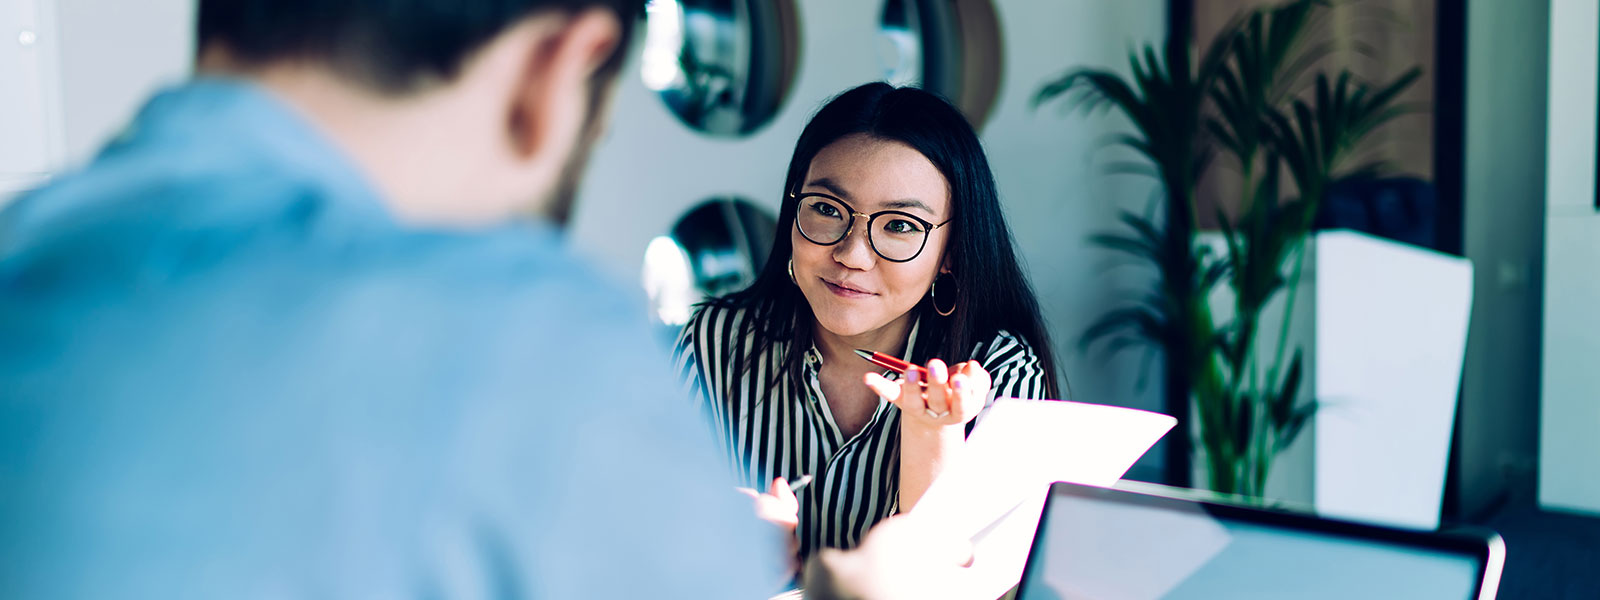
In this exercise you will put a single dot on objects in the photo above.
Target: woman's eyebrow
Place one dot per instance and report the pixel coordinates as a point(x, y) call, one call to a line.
point(838, 190)
point(909, 203)
point(831, 186)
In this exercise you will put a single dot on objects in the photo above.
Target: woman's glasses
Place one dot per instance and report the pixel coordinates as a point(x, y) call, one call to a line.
point(896, 236)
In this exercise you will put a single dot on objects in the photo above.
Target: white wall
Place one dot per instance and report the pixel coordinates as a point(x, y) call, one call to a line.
point(90, 66)
point(1050, 173)
point(114, 54)
point(1570, 395)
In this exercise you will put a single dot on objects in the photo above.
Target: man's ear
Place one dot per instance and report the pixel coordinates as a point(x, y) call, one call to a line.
point(551, 100)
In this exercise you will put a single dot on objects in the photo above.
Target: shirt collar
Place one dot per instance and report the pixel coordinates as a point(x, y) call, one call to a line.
point(813, 357)
point(244, 120)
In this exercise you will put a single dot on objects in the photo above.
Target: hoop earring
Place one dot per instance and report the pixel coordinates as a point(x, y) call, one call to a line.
point(933, 298)
point(791, 272)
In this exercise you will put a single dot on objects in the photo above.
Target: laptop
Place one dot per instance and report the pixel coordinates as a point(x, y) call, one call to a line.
point(1109, 544)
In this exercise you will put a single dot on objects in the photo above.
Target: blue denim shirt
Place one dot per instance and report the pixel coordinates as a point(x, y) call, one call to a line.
point(227, 372)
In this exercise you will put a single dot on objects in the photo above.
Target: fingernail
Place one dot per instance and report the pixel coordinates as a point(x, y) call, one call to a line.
point(956, 383)
point(912, 375)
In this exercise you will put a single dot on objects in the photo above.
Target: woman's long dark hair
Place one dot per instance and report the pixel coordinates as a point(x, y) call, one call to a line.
point(990, 290)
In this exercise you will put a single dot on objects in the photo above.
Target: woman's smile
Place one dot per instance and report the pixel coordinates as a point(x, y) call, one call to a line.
point(846, 290)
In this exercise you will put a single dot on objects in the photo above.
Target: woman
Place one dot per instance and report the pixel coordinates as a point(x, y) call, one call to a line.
point(936, 278)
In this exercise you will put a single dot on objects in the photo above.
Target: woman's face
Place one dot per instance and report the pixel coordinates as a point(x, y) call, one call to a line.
point(853, 290)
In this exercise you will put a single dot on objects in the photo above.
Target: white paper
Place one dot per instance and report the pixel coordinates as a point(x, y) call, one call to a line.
point(995, 493)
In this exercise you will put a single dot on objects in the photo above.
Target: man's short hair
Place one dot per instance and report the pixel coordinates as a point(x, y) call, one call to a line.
point(394, 46)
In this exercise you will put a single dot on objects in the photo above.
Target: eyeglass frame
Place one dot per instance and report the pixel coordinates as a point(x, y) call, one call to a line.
point(928, 226)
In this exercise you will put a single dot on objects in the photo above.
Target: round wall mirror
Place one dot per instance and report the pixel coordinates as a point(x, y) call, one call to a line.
point(724, 67)
point(716, 248)
point(952, 48)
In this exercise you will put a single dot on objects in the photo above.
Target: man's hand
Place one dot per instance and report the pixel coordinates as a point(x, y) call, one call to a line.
point(780, 507)
point(901, 557)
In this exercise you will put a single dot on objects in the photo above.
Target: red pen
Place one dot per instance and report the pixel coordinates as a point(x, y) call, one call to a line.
point(891, 363)
point(899, 366)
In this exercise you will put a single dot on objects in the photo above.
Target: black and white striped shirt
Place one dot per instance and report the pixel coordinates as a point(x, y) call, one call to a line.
point(786, 430)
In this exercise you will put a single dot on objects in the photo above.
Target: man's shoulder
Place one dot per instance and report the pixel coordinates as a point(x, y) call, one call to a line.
point(522, 268)
point(319, 276)
point(518, 294)
point(232, 223)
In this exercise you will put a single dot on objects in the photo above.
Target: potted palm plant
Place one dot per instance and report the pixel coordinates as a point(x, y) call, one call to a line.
point(1244, 101)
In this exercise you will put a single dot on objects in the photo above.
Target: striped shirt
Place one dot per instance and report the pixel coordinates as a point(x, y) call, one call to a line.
point(786, 430)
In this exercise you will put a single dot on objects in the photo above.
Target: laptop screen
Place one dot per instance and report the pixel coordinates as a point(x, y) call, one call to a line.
point(1116, 545)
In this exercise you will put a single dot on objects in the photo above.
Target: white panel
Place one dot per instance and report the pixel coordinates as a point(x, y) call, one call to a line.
point(1391, 334)
point(1574, 61)
point(1569, 448)
point(1569, 433)
point(29, 146)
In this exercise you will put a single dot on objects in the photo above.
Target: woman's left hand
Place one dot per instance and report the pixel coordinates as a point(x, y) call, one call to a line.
point(950, 397)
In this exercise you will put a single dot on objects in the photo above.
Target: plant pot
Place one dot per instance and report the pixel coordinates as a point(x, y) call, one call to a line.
point(1383, 326)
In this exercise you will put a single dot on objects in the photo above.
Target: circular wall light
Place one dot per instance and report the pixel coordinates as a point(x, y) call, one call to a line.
point(949, 47)
point(716, 248)
point(723, 67)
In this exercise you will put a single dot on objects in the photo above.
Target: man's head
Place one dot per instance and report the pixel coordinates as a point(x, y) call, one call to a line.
point(462, 111)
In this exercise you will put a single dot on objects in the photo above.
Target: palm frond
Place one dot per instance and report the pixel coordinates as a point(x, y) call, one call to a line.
point(1142, 322)
point(1126, 244)
point(1282, 404)
point(1266, 52)
point(1324, 132)
point(1129, 167)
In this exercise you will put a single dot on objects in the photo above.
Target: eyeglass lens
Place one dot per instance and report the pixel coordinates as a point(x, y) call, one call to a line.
point(895, 236)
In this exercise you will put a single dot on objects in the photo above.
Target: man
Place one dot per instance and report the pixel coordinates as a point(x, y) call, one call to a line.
point(290, 335)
